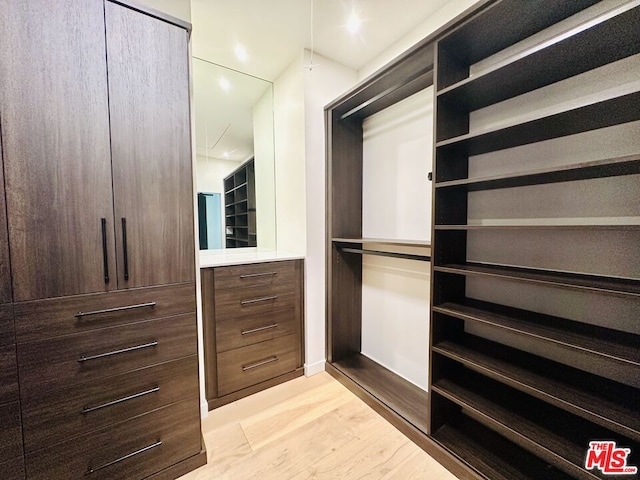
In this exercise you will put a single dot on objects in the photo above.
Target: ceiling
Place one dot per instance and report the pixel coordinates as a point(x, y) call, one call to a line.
point(273, 32)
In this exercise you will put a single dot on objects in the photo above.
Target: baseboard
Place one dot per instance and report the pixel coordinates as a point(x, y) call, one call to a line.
point(311, 369)
point(204, 408)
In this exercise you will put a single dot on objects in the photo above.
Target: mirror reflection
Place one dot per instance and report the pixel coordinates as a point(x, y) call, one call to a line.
point(235, 158)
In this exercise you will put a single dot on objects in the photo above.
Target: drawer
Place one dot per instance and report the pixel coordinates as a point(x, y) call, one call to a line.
point(8, 374)
point(52, 417)
point(265, 299)
point(247, 366)
point(7, 334)
point(244, 331)
point(12, 469)
point(73, 359)
point(255, 274)
point(10, 431)
point(63, 316)
point(132, 449)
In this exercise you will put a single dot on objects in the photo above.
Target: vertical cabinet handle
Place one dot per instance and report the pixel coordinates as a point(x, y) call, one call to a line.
point(125, 254)
point(105, 258)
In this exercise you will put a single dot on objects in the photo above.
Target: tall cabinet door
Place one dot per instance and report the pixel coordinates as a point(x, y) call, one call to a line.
point(5, 272)
point(151, 152)
point(55, 135)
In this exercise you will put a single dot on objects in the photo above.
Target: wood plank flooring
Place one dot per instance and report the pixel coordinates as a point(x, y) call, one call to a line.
point(309, 428)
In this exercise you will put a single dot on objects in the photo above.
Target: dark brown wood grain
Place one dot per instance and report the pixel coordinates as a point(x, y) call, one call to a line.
point(255, 274)
point(55, 139)
point(53, 317)
point(232, 377)
point(8, 374)
point(151, 148)
point(10, 431)
point(264, 299)
point(13, 469)
point(53, 416)
point(183, 467)
point(177, 426)
point(256, 328)
point(5, 269)
point(209, 333)
point(53, 363)
point(7, 333)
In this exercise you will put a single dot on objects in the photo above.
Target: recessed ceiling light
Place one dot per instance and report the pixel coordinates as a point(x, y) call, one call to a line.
point(224, 84)
point(353, 23)
point(241, 53)
point(225, 154)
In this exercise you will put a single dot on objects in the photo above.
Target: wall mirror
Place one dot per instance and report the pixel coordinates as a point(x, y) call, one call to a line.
point(235, 174)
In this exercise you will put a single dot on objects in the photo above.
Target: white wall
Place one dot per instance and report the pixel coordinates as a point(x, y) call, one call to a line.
point(430, 25)
point(321, 85)
point(176, 8)
point(211, 173)
point(288, 106)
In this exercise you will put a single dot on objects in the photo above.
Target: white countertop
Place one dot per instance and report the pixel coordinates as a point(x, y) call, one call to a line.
point(231, 256)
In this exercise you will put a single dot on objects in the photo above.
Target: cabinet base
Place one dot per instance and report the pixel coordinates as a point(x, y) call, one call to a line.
point(245, 392)
point(184, 467)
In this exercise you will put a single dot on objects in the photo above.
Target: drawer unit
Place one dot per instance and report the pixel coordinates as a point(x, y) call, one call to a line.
point(240, 332)
point(52, 417)
point(73, 359)
point(253, 275)
point(63, 316)
point(132, 449)
point(10, 431)
point(12, 469)
point(7, 334)
point(253, 324)
point(263, 299)
point(247, 366)
point(8, 374)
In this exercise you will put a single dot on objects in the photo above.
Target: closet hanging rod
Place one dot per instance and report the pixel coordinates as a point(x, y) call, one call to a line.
point(408, 256)
point(397, 86)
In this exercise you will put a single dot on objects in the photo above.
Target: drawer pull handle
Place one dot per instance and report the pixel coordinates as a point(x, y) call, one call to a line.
point(259, 329)
point(118, 460)
point(116, 309)
point(260, 363)
point(117, 352)
point(256, 300)
point(86, 410)
point(252, 275)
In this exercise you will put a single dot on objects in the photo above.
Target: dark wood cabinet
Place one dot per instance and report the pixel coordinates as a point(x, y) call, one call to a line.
point(240, 207)
point(253, 327)
point(150, 142)
point(55, 138)
point(98, 309)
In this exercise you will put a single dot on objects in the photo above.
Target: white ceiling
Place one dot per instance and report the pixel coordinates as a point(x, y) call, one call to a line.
point(275, 31)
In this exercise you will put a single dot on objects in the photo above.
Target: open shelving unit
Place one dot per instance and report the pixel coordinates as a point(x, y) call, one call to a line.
point(520, 383)
point(240, 207)
point(543, 383)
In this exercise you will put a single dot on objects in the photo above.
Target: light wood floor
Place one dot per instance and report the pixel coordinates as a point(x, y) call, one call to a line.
point(309, 428)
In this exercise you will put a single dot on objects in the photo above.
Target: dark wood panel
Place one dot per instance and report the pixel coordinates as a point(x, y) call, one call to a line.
point(56, 363)
point(491, 455)
point(607, 40)
point(610, 167)
point(247, 366)
point(209, 333)
point(7, 333)
point(255, 274)
point(265, 300)
point(591, 283)
point(151, 147)
point(176, 426)
point(13, 469)
point(601, 401)
point(11, 431)
point(59, 316)
point(401, 396)
point(5, 270)
point(244, 331)
point(53, 416)
point(182, 468)
point(8, 374)
point(55, 136)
